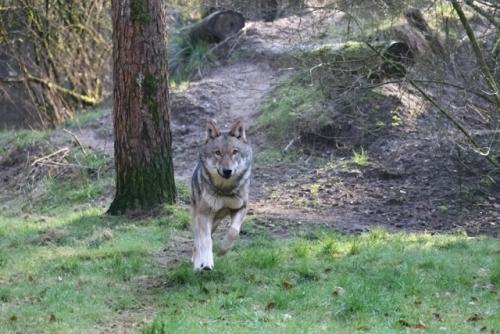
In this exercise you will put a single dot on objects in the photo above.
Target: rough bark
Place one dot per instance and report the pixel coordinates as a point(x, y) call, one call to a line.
point(143, 160)
point(215, 27)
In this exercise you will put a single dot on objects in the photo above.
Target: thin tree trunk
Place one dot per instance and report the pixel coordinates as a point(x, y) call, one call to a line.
point(479, 56)
point(143, 153)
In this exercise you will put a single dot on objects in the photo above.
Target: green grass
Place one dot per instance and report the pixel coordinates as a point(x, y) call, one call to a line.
point(376, 282)
point(20, 139)
point(85, 184)
point(187, 59)
point(360, 158)
point(293, 107)
point(270, 156)
point(97, 269)
point(80, 284)
point(66, 267)
point(84, 117)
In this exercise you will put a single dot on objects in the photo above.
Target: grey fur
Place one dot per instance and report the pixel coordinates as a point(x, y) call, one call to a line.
point(219, 188)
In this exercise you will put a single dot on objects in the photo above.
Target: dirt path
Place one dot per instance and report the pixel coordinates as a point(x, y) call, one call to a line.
point(409, 184)
point(226, 93)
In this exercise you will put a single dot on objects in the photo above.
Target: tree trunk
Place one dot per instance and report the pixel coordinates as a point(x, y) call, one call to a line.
point(215, 27)
point(143, 152)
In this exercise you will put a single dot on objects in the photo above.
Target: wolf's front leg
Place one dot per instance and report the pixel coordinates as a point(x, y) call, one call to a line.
point(234, 230)
point(203, 258)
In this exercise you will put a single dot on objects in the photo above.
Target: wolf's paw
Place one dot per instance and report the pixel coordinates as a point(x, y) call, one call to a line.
point(204, 267)
point(204, 263)
point(228, 241)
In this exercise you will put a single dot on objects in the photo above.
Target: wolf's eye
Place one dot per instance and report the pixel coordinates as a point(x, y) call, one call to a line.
point(235, 152)
point(217, 153)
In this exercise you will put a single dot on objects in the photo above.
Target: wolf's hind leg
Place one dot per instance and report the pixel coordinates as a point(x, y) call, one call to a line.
point(203, 258)
point(234, 230)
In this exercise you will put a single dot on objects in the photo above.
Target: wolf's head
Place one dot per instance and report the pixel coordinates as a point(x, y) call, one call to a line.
point(226, 155)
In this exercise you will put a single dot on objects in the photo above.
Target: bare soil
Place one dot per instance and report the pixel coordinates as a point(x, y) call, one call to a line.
point(411, 182)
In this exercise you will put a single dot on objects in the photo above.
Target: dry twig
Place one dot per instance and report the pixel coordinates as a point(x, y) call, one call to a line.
point(77, 141)
point(64, 151)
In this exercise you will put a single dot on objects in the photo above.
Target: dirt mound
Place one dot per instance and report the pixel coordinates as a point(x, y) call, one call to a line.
point(409, 180)
point(284, 38)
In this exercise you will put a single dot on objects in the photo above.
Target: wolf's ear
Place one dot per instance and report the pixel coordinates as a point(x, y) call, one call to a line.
point(212, 130)
point(238, 131)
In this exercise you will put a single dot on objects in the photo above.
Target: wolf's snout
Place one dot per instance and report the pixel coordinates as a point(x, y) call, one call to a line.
point(227, 173)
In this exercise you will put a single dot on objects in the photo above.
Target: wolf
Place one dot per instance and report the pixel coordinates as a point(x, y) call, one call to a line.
point(219, 188)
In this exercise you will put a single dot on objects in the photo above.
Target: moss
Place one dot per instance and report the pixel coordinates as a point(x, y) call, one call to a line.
point(144, 186)
point(496, 49)
point(139, 11)
point(291, 106)
point(149, 92)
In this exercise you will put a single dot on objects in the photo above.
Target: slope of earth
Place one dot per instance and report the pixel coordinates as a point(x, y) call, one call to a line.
point(408, 182)
point(404, 180)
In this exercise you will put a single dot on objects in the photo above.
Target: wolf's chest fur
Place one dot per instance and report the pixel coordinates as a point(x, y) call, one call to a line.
point(217, 202)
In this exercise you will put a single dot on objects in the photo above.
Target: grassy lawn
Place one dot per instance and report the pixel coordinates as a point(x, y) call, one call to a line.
point(339, 284)
point(65, 267)
point(78, 272)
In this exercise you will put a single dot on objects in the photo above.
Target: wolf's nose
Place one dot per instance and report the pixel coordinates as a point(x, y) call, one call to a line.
point(227, 173)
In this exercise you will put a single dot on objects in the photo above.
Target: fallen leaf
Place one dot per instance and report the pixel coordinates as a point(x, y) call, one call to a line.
point(270, 306)
point(420, 325)
point(79, 283)
point(287, 285)
point(489, 286)
point(52, 317)
point(13, 317)
point(475, 317)
point(483, 272)
point(338, 291)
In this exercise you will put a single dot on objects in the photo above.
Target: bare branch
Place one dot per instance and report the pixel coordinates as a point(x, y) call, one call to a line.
point(484, 13)
point(84, 98)
point(452, 119)
point(77, 141)
point(477, 51)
